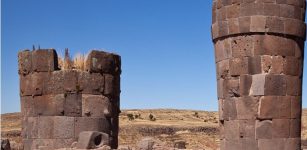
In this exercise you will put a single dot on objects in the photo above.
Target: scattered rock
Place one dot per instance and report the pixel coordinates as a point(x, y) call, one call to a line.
point(180, 144)
point(146, 144)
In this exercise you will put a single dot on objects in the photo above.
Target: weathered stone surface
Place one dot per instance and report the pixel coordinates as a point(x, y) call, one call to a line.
point(55, 83)
point(33, 84)
point(233, 11)
point(49, 105)
point(112, 85)
point(245, 84)
point(258, 24)
point(73, 105)
point(281, 128)
point(275, 85)
point(42, 143)
point(293, 143)
point(274, 24)
point(30, 128)
point(264, 129)
point(215, 30)
point(25, 85)
point(221, 14)
point(269, 110)
point(44, 60)
point(45, 127)
point(247, 107)
point(272, 64)
point(24, 62)
point(267, 48)
point(96, 106)
point(51, 100)
point(244, 24)
point(233, 26)
point(71, 81)
point(91, 124)
point(232, 129)
point(91, 83)
point(258, 84)
point(296, 106)
point(222, 69)
point(232, 88)
point(254, 65)
point(221, 52)
point(223, 28)
point(102, 62)
point(63, 127)
point(294, 27)
point(229, 109)
point(291, 66)
point(232, 144)
point(247, 128)
point(38, 80)
point(220, 88)
point(271, 144)
point(249, 144)
point(63, 143)
point(295, 128)
point(242, 46)
point(284, 107)
point(92, 140)
point(238, 66)
point(27, 106)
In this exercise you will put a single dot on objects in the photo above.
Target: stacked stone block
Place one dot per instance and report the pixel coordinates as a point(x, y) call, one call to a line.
point(259, 46)
point(57, 105)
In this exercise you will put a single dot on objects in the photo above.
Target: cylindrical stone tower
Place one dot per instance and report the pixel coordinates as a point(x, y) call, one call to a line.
point(57, 105)
point(259, 46)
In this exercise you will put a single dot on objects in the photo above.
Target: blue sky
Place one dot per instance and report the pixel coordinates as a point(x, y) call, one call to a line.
point(166, 48)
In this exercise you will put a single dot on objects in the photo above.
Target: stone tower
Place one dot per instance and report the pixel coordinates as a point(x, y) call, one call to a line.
point(57, 104)
point(259, 46)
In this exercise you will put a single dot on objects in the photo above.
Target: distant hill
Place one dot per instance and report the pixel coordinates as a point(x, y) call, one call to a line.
point(198, 128)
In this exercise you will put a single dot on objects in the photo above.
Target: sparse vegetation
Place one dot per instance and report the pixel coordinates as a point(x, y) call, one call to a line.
point(137, 116)
point(151, 117)
point(130, 117)
point(196, 114)
point(78, 61)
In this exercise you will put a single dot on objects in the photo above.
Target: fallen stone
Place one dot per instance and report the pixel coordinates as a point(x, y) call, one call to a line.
point(146, 144)
point(180, 144)
point(92, 140)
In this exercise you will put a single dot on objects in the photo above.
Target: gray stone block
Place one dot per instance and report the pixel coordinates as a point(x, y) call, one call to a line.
point(92, 140)
point(91, 124)
point(96, 106)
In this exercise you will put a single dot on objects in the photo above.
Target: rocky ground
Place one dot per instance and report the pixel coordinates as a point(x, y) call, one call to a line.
point(199, 129)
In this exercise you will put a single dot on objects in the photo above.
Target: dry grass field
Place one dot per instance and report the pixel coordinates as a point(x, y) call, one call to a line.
point(198, 128)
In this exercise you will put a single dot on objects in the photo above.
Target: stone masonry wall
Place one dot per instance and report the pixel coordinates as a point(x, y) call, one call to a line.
point(57, 105)
point(259, 46)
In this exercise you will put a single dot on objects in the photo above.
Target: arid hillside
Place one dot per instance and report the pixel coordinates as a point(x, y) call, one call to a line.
point(198, 128)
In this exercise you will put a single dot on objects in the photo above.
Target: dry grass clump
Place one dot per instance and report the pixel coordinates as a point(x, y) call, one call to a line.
point(78, 61)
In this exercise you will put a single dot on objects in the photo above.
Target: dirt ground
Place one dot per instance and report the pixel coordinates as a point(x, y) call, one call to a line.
point(198, 128)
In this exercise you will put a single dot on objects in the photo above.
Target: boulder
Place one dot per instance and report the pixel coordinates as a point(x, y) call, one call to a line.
point(180, 144)
point(92, 140)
